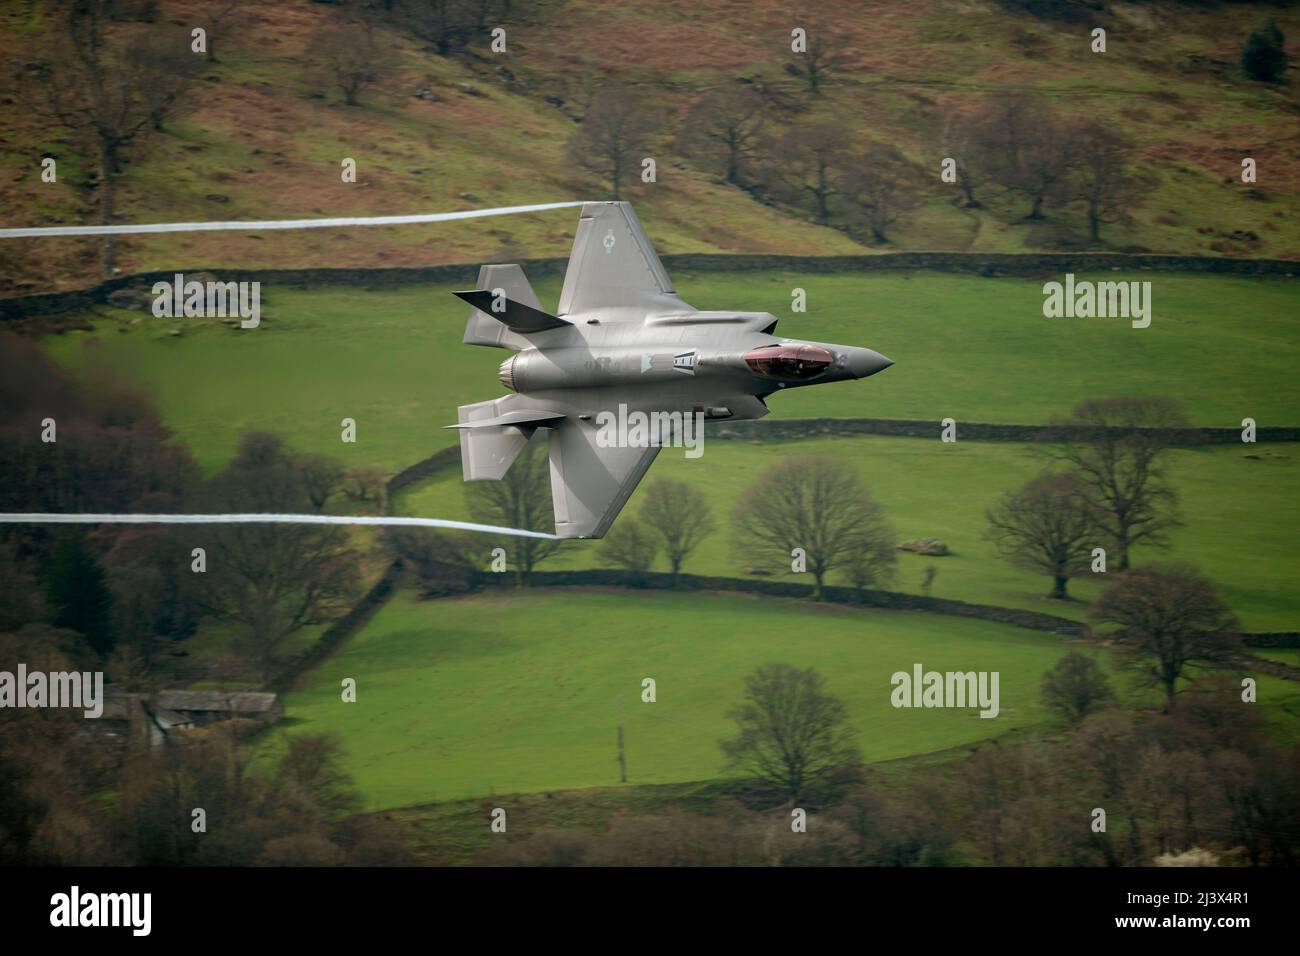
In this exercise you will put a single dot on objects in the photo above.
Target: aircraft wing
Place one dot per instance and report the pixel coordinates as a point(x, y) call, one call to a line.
point(613, 265)
point(590, 484)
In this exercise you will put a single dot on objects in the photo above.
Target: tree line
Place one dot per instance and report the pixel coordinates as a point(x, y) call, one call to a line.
point(135, 594)
point(128, 599)
point(1106, 786)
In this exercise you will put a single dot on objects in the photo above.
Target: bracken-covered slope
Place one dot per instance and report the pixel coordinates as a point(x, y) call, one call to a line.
point(265, 130)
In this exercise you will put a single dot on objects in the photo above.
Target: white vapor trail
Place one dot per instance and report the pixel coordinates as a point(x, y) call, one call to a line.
point(37, 518)
point(277, 223)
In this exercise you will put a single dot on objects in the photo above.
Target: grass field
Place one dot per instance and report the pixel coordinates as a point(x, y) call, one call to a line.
point(501, 694)
point(497, 694)
point(1287, 655)
point(1239, 513)
point(523, 693)
point(969, 348)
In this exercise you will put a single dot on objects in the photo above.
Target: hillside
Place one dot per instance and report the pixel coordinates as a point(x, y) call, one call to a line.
point(264, 132)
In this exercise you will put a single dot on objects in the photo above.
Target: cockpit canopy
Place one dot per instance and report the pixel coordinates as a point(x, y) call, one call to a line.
point(789, 362)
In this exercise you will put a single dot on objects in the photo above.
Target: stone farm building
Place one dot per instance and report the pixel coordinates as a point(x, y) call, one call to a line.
point(153, 719)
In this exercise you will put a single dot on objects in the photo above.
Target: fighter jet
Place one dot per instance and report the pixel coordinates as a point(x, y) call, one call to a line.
point(621, 342)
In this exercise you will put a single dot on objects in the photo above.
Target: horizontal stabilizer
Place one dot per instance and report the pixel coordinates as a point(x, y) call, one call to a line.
point(514, 315)
point(487, 447)
point(481, 328)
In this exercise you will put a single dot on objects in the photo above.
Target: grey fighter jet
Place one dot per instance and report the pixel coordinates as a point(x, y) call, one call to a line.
point(622, 341)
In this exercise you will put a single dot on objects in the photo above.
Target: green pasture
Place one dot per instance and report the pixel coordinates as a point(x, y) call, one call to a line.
point(1239, 512)
point(519, 692)
point(522, 692)
point(968, 348)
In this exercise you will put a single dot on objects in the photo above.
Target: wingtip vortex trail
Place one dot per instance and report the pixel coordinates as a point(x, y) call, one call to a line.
point(258, 518)
point(253, 225)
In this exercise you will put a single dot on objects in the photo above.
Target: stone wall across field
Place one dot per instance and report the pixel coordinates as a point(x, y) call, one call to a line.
point(771, 429)
point(53, 303)
point(448, 459)
point(1060, 627)
point(337, 634)
point(1045, 264)
point(1272, 668)
point(778, 429)
point(435, 464)
point(1033, 264)
point(1273, 639)
point(894, 600)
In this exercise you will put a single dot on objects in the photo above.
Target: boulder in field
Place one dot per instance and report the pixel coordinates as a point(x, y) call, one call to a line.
point(136, 299)
point(930, 546)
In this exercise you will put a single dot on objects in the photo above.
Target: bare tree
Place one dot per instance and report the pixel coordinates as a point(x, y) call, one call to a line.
point(155, 597)
point(1000, 794)
point(817, 505)
point(366, 483)
point(349, 57)
point(164, 70)
point(724, 128)
point(441, 560)
point(21, 600)
point(1169, 618)
point(680, 515)
point(1030, 149)
point(821, 59)
point(1116, 445)
point(1106, 751)
point(321, 477)
point(273, 580)
point(99, 92)
point(1103, 180)
point(808, 163)
point(615, 135)
point(51, 770)
point(447, 23)
point(1045, 162)
point(1012, 123)
point(1046, 526)
point(522, 499)
point(879, 188)
point(868, 567)
point(1075, 687)
point(630, 545)
point(794, 736)
point(968, 138)
point(483, 9)
point(221, 16)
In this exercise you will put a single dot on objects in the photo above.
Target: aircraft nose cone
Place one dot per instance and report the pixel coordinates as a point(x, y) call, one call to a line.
point(864, 362)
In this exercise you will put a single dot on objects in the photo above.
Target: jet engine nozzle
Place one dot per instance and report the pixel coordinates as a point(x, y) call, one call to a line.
point(506, 373)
